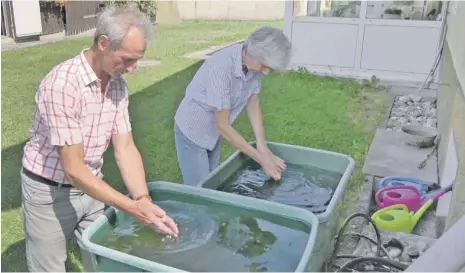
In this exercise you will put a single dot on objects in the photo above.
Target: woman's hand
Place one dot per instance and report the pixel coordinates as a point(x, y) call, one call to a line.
point(281, 163)
point(270, 167)
point(154, 217)
point(264, 150)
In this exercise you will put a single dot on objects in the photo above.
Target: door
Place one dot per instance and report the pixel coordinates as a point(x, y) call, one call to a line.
point(81, 16)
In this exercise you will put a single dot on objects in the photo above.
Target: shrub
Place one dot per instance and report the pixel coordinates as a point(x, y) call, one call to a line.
point(147, 7)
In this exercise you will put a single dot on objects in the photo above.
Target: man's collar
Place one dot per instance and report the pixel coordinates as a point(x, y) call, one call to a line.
point(87, 73)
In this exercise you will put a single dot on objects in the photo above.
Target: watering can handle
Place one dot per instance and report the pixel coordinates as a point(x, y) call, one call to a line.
point(410, 179)
point(393, 207)
point(400, 187)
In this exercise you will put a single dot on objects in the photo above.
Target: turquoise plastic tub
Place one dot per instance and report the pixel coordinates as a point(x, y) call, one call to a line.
point(292, 154)
point(298, 155)
point(104, 259)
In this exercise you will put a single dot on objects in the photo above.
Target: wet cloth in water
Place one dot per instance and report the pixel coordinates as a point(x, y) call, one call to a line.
point(294, 188)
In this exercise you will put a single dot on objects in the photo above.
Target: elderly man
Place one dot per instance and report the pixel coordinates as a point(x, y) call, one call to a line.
point(82, 105)
point(225, 83)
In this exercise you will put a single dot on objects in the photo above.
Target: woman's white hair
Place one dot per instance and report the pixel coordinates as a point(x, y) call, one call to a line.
point(115, 22)
point(269, 45)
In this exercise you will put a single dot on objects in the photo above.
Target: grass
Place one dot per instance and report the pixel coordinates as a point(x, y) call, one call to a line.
point(299, 108)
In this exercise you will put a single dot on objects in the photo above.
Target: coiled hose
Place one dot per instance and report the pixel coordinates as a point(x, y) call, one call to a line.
point(374, 264)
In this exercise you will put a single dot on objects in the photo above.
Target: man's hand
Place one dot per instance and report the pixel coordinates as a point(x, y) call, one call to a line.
point(130, 163)
point(154, 217)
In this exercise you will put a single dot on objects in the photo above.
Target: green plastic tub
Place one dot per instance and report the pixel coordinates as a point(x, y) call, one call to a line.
point(106, 259)
point(297, 155)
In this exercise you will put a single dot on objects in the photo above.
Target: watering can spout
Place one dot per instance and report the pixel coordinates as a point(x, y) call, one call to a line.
point(421, 211)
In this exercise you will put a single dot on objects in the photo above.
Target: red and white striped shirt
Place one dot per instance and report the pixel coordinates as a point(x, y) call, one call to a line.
point(71, 108)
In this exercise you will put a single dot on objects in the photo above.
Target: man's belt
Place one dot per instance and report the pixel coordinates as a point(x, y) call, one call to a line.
point(43, 180)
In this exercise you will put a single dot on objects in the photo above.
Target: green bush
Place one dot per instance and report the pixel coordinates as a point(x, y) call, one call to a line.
point(147, 7)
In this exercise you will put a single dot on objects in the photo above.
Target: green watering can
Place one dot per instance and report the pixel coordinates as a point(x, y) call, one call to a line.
point(398, 218)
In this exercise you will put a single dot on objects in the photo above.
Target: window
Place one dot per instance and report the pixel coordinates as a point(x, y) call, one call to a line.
point(327, 8)
point(405, 10)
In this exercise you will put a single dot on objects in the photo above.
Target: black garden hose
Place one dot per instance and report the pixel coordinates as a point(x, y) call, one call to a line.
point(380, 262)
point(377, 264)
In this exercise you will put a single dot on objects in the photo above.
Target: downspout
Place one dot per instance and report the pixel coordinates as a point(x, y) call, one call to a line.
point(438, 58)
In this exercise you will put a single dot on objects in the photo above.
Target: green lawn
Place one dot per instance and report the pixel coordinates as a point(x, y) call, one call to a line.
point(299, 108)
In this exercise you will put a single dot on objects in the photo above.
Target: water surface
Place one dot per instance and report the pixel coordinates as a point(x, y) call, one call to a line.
point(301, 186)
point(214, 237)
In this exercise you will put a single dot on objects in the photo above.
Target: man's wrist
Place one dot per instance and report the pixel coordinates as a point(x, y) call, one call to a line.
point(143, 196)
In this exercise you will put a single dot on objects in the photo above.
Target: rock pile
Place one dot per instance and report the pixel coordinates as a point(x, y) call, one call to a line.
point(411, 109)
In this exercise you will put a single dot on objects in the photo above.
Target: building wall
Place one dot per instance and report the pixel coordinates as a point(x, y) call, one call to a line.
point(451, 106)
point(231, 10)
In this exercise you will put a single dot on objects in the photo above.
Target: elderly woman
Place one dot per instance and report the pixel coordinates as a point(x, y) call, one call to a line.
point(225, 83)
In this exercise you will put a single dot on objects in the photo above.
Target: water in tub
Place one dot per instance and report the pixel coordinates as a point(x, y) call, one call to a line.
point(302, 186)
point(214, 237)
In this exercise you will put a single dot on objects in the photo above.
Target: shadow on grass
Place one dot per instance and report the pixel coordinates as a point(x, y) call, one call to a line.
point(152, 116)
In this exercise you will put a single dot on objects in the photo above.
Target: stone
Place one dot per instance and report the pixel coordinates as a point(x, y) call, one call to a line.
point(422, 246)
point(405, 258)
point(400, 112)
point(430, 122)
point(369, 268)
point(394, 252)
point(415, 98)
point(413, 110)
point(404, 98)
point(391, 123)
point(412, 252)
point(415, 122)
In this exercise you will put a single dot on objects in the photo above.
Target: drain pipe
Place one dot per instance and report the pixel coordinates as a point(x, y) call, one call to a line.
point(447, 254)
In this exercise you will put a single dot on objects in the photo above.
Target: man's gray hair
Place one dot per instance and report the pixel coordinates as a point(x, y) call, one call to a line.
point(115, 22)
point(270, 45)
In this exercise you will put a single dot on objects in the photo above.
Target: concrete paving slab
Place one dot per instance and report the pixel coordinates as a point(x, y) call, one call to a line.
point(206, 53)
point(148, 63)
point(10, 44)
point(426, 94)
point(390, 156)
point(427, 225)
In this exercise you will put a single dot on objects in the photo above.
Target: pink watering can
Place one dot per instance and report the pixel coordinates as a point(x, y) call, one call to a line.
point(394, 195)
